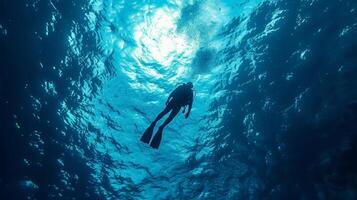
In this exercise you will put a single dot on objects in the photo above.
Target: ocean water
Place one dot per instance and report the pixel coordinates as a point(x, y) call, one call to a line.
point(274, 113)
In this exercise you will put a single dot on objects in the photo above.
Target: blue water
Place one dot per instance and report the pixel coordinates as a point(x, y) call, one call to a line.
point(274, 112)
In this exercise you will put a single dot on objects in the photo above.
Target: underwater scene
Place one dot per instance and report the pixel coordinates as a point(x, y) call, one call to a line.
point(178, 99)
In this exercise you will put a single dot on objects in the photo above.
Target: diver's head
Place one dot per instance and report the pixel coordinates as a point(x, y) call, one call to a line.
point(189, 84)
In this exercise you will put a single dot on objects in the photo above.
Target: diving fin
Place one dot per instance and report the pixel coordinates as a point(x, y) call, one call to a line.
point(155, 143)
point(146, 137)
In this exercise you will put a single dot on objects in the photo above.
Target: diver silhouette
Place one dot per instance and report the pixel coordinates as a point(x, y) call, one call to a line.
point(182, 96)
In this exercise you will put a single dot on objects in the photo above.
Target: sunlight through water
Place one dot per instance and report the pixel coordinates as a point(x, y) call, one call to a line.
point(274, 99)
point(154, 47)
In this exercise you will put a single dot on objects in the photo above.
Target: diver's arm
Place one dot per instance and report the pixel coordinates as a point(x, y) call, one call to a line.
point(189, 106)
point(189, 110)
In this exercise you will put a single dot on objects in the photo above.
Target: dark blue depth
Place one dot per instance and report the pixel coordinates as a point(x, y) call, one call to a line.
point(281, 111)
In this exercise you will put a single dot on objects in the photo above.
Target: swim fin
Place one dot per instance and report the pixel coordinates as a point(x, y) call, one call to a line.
point(146, 137)
point(155, 143)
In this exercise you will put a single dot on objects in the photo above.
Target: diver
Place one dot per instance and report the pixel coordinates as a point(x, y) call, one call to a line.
point(182, 96)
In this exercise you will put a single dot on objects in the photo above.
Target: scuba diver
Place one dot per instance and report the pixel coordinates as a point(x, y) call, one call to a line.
point(182, 96)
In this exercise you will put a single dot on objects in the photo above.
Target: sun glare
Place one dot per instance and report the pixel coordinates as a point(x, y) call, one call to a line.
point(158, 41)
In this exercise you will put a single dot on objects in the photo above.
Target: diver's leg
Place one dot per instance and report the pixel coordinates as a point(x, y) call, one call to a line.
point(155, 142)
point(146, 137)
point(163, 113)
point(172, 115)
